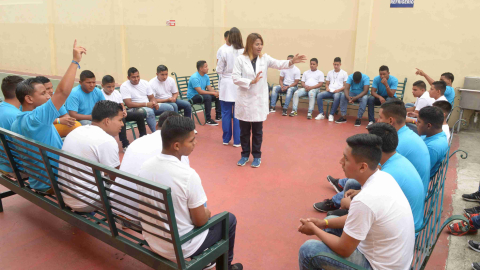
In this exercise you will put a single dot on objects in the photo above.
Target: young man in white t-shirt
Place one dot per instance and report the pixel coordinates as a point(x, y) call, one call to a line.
point(188, 196)
point(166, 92)
point(437, 90)
point(94, 142)
point(138, 96)
point(423, 100)
point(312, 80)
point(336, 80)
point(375, 235)
point(108, 90)
point(446, 107)
point(287, 83)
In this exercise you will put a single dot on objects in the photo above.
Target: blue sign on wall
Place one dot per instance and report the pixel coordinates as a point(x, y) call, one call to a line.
point(401, 3)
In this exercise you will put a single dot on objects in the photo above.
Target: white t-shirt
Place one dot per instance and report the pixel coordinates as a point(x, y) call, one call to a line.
point(441, 98)
point(336, 79)
point(446, 129)
point(114, 96)
point(290, 75)
point(138, 93)
point(187, 193)
point(386, 230)
point(424, 101)
point(163, 90)
point(312, 78)
point(94, 144)
point(139, 151)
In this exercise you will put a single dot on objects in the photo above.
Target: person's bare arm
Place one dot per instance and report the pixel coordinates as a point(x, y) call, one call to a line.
point(363, 93)
point(428, 78)
point(374, 93)
point(111, 176)
point(347, 91)
point(209, 91)
point(78, 116)
point(200, 215)
point(131, 104)
point(280, 82)
point(295, 83)
point(411, 109)
point(66, 120)
point(327, 84)
point(303, 85)
point(341, 89)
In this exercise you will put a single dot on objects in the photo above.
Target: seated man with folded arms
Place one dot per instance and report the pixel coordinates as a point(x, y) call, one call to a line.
point(96, 143)
point(446, 108)
point(384, 87)
point(166, 92)
point(84, 96)
point(446, 77)
point(373, 235)
point(312, 80)
point(138, 96)
point(437, 91)
point(188, 196)
point(430, 121)
point(200, 91)
point(39, 112)
point(287, 83)
point(336, 80)
point(108, 90)
point(356, 90)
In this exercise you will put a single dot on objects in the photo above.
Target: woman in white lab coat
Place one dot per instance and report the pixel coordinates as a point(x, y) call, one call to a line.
point(228, 90)
point(251, 103)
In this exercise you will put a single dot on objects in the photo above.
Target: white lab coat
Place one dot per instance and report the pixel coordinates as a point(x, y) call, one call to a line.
point(226, 62)
point(251, 104)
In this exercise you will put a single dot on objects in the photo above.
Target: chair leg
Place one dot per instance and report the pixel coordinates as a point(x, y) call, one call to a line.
point(222, 262)
point(194, 113)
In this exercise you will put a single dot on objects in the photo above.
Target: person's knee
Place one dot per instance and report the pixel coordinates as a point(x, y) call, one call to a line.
point(207, 98)
point(311, 248)
point(232, 219)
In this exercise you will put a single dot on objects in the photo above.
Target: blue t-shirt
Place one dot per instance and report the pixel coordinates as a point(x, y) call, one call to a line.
point(38, 125)
point(357, 88)
point(450, 94)
point(197, 81)
point(81, 102)
point(413, 148)
point(8, 114)
point(381, 89)
point(410, 182)
point(63, 110)
point(437, 147)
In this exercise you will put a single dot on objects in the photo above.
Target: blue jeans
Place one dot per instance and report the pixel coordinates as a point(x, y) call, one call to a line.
point(347, 184)
point(150, 116)
point(278, 89)
point(85, 122)
point(307, 257)
point(336, 100)
point(409, 105)
point(312, 95)
point(183, 105)
point(228, 113)
point(372, 101)
point(361, 107)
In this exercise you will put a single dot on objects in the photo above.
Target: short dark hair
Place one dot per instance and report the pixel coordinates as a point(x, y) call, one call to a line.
point(164, 116)
point(105, 109)
point(225, 35)
point(108, 79)
point(420, 84)
point(388, 134)
point(86, 74)
point(176, 129)
point(291, 55)
point(384, 68)
point(395, 108)
point(440, 85)
point(161, 68)
point(314, 60)
point(337, 59)
point(131, 71)
point(448, 75)
point(9, 85)
point(26, 87)
point(43, 79)
point(432, 115)
point(366, 148)
point(200, 64)
point(445, 106)
point(357, 76)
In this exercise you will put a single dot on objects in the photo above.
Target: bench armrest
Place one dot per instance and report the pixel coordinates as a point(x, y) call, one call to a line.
point(338, 259)
point(191, 101)
point(211, 222)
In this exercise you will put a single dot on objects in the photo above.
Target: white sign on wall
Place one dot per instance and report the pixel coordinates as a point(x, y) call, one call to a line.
point(401, 3)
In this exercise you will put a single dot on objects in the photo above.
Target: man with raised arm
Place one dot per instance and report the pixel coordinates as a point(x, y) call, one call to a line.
point(446, 77)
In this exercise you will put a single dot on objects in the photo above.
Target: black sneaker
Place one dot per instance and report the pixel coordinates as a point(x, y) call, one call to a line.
point(341, 120)
point(475, 245)
point(471, 211)
point(474, 197)
point(284, 112)
point(237, 266)
point(272, 109)
point(325, 206)
point(476, 266)
point(210, 122)
point(218, 118)
point(358, 122)
point(338, 212)
point(334, 183)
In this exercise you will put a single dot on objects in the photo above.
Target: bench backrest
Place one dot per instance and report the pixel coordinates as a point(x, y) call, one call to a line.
point(182, 83)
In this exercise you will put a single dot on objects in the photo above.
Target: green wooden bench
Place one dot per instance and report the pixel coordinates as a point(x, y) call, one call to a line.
point(103, 226)
point(182, 85)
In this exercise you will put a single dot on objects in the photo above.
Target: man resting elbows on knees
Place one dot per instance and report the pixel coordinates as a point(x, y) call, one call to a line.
point(384, 87)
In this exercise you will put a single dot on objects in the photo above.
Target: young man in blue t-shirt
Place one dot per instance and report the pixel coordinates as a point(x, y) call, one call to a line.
point(83, 97)
point(39, 111)
point(384, 87)
point(429, 124)
point(446, 77)
point(200, 91)
point(356, 90)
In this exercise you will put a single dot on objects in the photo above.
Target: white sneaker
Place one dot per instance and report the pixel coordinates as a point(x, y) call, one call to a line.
point(330, 118)
point(195, 131)
point(320, 116)
point(370, 123)
point(237, 145)
point(225, 143)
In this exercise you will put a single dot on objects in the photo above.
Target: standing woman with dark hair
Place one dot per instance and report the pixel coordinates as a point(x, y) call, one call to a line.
point(251, 102)
point(228, 90)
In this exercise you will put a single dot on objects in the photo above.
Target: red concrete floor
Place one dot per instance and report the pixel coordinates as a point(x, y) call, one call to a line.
point(268, 201)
